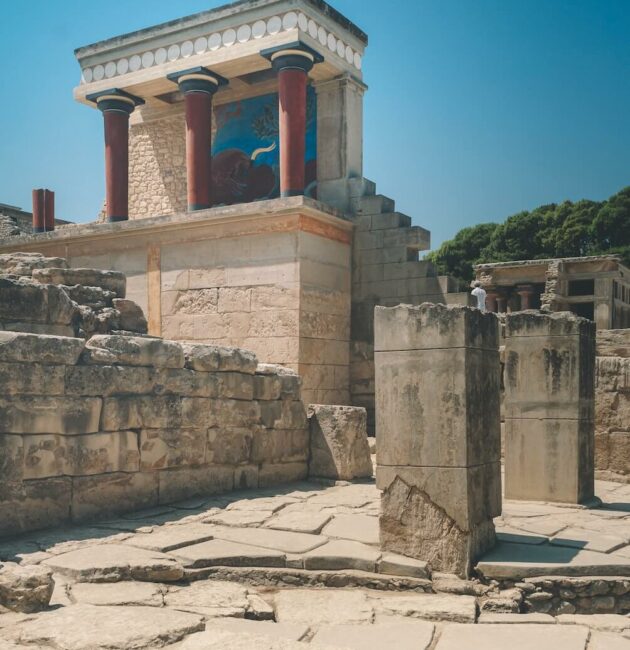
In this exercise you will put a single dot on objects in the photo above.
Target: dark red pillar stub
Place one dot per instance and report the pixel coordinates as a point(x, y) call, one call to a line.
point(116, 106)
point(198, 85)
point(49, 210)
point(39, 219)
point(292, 62)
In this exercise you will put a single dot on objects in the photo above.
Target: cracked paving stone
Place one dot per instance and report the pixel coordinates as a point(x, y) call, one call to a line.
point(608, 641)
point(512, 637)
point(358, 528)
point(303, 520)
point(116, 562)
point(489, 617)
point(513, 535)
point(346, 496)
point(342, 554)
point(278, 540)
point(229, 639)
point(399, 565)
point(402, 636)
point(118, 593)
point(219, 552)
point(240, 517)
point(601, 622)
point(211, 598)
point(113, 628)
point(429, 607)
point(588, 540)
point(170, 538)
point(290, 631)
point(322, 607)
point(272, 504)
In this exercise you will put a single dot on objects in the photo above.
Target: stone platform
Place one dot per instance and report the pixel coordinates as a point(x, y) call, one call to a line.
point(252, 570)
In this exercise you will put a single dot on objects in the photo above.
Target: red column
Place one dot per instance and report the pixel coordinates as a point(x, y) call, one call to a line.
point(39, 211)
point(292, 122)
point(49, 210)
point(116, 106)
point(491, 301)
point(525, 292)
point(198, 85)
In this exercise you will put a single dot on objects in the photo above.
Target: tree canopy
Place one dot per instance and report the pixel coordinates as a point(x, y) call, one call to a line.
point(557, 230)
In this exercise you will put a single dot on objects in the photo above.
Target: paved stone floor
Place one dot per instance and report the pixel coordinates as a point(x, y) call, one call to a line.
point(257, 570)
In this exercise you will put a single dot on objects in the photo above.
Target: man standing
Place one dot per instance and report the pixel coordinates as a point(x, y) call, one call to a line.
point(480, 293)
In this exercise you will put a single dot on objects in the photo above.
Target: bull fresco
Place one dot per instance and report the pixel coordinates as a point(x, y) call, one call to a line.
point(246, 150)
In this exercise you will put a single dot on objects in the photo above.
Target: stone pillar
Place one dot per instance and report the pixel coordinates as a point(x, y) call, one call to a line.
point(438, 432)
point(49, 210)
point(339, 139)
point(292, 62)
point(198, 85)
point(525, 291)
point(501, 303)
point(491, 300)
point(116, 106)
point(39, 211)
point(549, 407)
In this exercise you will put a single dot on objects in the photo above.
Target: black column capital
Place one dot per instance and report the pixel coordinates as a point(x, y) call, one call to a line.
point(116, 100)
point(197, 80)
point(296, 56)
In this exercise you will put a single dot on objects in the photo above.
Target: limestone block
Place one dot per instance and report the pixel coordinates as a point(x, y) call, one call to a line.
point(234, 299)
point(612, 374)
point(160, 448)
point(235, 385)
point(275, 296)
point(40, 328)
point(181, 381)
point(267, 387)
point(122, 413)
point(222, 412)
point(23, 301)
point(110, 380)
point(280, 445)
point(24, 263)
point(63, 415)
point(33, 505)
point(106, 280)
point(429, 326)
point(229, 445)
point(93, 297)
point(133, 351)
point(619, 452)
point(290, 380)
point(131, 316)
point(283, 414)
point(438, 407)
point(613, 343)
point(535, 450)
point(54, 455)
point(61, 309)
point(213, 358)
point(246, 477)
point(25, 588)
point(104, 495)
point(338, 442)
point(182, 483)
point(280, 473)
point(11, 458)
point(31, 379)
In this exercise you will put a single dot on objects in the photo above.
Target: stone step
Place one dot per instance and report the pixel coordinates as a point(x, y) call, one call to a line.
point(361, 187)
point(376, 204)
point(388, 220)
point(414, 237)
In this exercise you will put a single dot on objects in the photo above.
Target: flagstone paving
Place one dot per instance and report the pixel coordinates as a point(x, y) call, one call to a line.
point(248, 570)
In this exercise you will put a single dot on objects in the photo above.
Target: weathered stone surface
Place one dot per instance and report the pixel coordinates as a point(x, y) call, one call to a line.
point(302, 520)
point(515, 637)
point(399, 565)
point(403, 636)
point(289, 631)
point(607, 641)
point(184, 482)
point(290, 381)
point(106, 280)
point(213, 358)
point(25, 302)
point(18, 347)
point(601, 622)
point(63, 415)
point(118, 593)
point(133, 351)
point(131, 316)
point(613, 343)
point(219, 552)
point(273, 539)
point(210, 597)
point(430, 607)
point(220, 639)
point(360, 528)
point(110, 380)
point(160, 448)
point(31, 379)
point(319, 607)
point(169, 538)
point(278, 445)
point(342, 554)
point(24, 263)
point(25, 588)
point(115, 563)
point(338, 444)
point(112, 628)
point(536, 619)
point(280, 473)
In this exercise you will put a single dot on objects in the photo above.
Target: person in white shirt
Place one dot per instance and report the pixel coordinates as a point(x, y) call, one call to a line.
point(480, 293)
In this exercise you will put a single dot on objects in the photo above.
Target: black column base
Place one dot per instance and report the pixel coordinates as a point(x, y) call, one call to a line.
point(116, 219)
point(288, 193)
point(38, 230)
point(193, 207)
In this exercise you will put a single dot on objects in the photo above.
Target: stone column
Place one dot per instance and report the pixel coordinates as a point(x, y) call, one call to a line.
point(49, 210)
point(438, 432)
point(525, 291)
point(491, 299)
point(339, 139)
point(292, 62)
point(501, 303)
point(549, 407)
point(39, 211)
point(116, 106)
point(198, 85)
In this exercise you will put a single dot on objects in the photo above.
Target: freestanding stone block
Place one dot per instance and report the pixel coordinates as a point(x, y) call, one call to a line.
point(339, 444)
point(549, 407)
point(438, 432)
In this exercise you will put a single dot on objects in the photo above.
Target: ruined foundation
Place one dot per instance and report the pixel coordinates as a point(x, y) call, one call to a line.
point(549, 407)
point(438, 432)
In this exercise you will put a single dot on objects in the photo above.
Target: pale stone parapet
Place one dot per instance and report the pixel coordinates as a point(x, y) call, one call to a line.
point(438, 432)
point(549, 407)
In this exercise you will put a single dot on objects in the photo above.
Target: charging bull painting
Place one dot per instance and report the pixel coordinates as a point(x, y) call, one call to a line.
point(246, 150)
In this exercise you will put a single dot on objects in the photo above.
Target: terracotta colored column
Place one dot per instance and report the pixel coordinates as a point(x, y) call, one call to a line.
point(49, 210)
point(501, 303)
point(292, 63)
point(39, 211)
point(198, 85)
point(116, 106)
point(491, 300)
point(525, 291)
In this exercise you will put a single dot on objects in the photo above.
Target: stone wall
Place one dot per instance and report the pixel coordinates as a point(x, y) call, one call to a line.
point(91, 429)
point(612, 405)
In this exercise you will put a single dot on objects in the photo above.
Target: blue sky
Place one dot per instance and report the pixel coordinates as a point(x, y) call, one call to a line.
point(477, 109)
